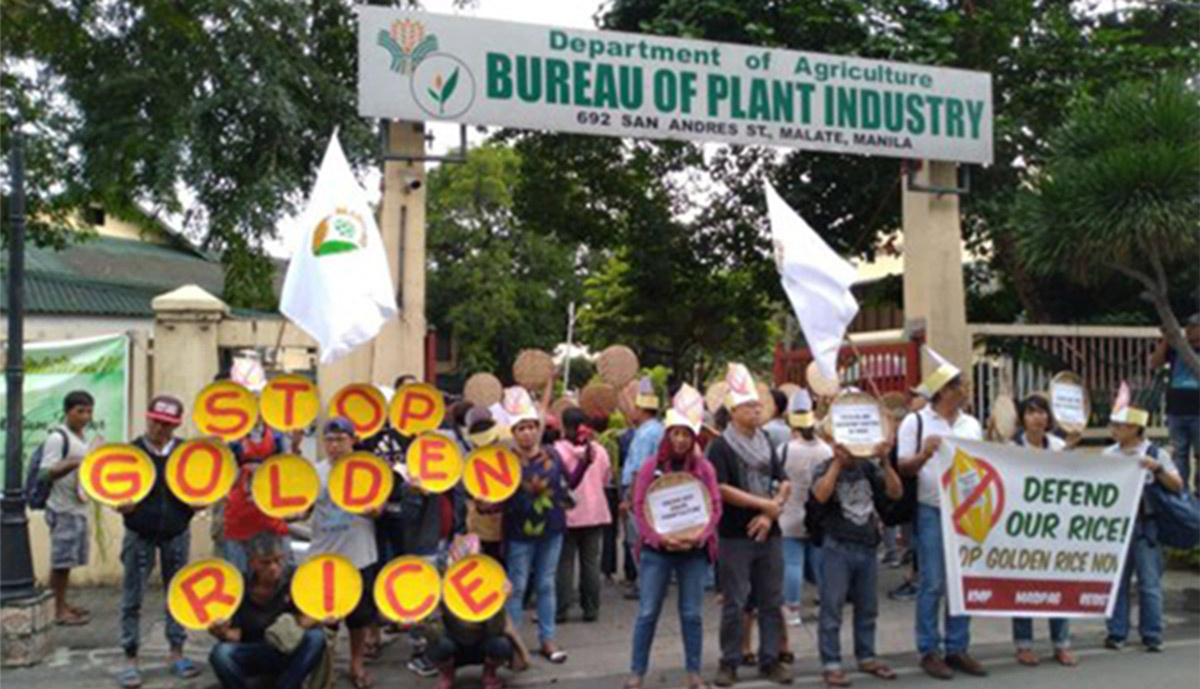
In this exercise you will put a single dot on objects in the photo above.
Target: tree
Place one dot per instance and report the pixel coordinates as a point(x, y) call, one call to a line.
point(1119, 194)
point(494, 286)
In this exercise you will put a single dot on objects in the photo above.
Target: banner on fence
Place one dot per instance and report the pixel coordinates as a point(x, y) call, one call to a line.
point(99, 365)
point(1034, 533)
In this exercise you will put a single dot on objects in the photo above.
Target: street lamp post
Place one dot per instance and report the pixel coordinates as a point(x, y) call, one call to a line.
point(570, 336)
point(16, 562)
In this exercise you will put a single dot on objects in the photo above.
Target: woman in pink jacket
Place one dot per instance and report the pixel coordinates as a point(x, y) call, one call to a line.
point(689, 557)
point(584, 541)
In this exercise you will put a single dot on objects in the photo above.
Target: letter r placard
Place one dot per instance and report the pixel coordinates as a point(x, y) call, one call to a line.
point(205, 592)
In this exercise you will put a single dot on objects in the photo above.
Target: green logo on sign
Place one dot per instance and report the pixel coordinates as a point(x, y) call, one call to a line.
point(443, 86)
point(407, 44)
point(443, 90)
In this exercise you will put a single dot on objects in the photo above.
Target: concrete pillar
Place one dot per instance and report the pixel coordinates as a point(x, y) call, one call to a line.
point(933, 273)
point(400, 346)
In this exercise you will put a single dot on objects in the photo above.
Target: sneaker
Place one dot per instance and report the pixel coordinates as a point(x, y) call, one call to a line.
point(726, 676)
point(1114, 644)
point(935, 667)
point(1154, 647)
point(777, 672)
point(421, 667)
point(905, 591)
point(791, 617)
point(891, 561)
point(963, 662)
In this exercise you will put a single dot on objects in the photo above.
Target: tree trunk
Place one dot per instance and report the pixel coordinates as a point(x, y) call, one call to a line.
point(1156, 294)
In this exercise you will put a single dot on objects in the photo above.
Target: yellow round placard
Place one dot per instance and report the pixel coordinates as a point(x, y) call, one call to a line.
point(285, 486)
point(327, 586)
point(417, 408)
point(408, 589)
point(201, 472)
point(363, 406)
point(226, 410)
point(289, 403)
point(117, 474)
point(434, 462)
point(493, 474)
point(204, 593)
point(360, 482)
point(475, 588)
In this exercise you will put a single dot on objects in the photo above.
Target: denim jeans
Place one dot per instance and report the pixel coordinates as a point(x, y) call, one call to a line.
point(137, 558)
point(582, 545)
point(1145, 558)
point(493, 649)
point(931, 589)
point(1185, 439)
point(800, 556)
point(690, 570)
point(235, 664)
point(850, 572)
point(1060, 632)
point(540, 558)
point(749, 566)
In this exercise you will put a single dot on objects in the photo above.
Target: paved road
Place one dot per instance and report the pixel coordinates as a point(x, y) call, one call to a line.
point(89, 657)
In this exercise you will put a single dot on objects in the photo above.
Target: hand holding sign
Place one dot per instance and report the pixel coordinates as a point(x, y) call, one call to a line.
point(205, 593)
point(117, 475)
point(678, 505)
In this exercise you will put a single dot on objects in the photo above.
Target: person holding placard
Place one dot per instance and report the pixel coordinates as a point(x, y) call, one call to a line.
point(586, 521)
point(687, 553)
point(243, 519)
point(1037, 419)
point(336, 531)
point(918, 440)
point(847, 489)
point(159, 525)
point(535, 518)
point(1145, 556)
point(754, 489)
point(800, 456)
point(268, 637)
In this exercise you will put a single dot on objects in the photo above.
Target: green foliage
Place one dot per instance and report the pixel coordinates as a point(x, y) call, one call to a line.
point(493, 285)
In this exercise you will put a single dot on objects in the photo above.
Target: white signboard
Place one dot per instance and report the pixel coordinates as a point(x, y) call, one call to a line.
point(1066, 399)
point(1034, 533)
point(857, 424)
point(678, 508)
point(421, 66)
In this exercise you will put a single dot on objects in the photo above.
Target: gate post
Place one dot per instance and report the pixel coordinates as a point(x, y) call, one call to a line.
point(186, 354)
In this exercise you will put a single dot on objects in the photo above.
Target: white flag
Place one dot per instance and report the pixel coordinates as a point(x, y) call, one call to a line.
point(816, 279)
point(338, 286)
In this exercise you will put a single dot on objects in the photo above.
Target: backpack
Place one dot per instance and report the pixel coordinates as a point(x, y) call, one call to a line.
point(37, 482)
point(814, 516)
point(904, 510)
point(1177, 515)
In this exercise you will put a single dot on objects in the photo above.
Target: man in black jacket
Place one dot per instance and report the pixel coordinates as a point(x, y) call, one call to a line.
point(159, 524)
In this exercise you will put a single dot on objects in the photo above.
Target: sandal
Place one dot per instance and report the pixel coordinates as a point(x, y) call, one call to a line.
point(1065, 657)
point(72, 619)
point(557, 656)
point(634, 682)
point(363, 680)
point(130, 678)
point(835, 678)
point(696, 682)
point(1027, 657)
point(878, 670)
point(184, 668)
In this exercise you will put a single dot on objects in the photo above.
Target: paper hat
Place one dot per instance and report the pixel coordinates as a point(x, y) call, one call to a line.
point(939, 378)
point(741, 386)
point(489, 429)
point(800, 410)
point(687, 409)
point(518, 406)
point(1123, 410)
point(646, 398)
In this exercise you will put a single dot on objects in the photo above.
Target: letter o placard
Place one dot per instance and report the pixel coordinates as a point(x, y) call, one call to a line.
point(327, 586)
point(407, 590)
point(201, 471)
point(360, 482)
point(205, 592)
point(417, 408)
point(117, 474)
point(475, 588)
point(289, 403)
point(363, 406)
point(226, 410)
point(285, 486)
point(492, 474)
point(434, 462)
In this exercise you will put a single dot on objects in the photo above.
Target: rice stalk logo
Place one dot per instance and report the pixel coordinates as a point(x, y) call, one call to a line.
point(408, 45)
point(339, 232)
point(443, 90)
point(443, 86)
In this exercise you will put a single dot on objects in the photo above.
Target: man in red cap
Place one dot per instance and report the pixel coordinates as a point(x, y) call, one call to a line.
point(157, 525)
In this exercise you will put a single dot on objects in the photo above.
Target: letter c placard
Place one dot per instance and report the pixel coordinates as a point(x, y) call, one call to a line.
point(360, 482)
point(205, 592)
point(327, 586)
point(117, 474)
point(285, 486)
point(201, 471)
point(475, 589)
point(226, 410)
point(408, 590)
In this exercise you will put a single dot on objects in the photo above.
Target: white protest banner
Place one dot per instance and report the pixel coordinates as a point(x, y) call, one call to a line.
point(677, 503)
point(422, 66)
point(1034, 533)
